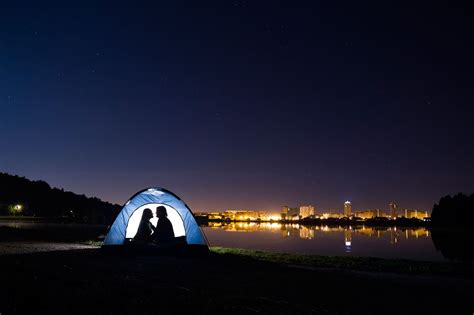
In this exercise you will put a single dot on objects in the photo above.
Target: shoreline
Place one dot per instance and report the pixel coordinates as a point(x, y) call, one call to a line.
point(372, 265)
point(355, 263)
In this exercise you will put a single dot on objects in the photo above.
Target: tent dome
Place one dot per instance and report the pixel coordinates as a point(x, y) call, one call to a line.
point(126, 224)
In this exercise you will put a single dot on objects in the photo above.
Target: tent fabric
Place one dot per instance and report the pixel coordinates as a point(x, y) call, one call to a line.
point(117, 232)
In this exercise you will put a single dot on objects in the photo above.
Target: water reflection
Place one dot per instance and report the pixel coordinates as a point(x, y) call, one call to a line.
point(310, 232)
point(387, 242)
point(454, 244)
point(348, 240)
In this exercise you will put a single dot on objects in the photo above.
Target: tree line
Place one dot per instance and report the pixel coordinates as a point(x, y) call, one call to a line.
point(21, 196)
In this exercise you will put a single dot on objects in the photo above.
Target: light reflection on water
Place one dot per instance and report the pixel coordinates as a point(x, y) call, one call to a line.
point(385, 242)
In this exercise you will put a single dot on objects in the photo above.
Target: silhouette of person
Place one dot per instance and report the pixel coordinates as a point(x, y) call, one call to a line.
point(145, 229)
point(164, 229)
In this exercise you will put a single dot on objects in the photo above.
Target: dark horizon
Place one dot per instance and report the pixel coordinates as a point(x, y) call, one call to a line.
point(239, 104)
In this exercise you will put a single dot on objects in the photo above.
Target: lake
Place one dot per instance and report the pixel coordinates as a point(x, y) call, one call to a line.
point(383, 242)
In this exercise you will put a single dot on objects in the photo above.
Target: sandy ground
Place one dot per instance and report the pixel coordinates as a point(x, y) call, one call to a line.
point(13, 248)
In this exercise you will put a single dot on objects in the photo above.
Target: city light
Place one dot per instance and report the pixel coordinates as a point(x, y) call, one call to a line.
point(309, 212)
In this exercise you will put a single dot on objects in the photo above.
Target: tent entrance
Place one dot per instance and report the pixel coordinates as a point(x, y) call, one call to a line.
point(173, 216)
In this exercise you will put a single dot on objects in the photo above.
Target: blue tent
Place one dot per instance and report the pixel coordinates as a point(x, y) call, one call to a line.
point(181, 217)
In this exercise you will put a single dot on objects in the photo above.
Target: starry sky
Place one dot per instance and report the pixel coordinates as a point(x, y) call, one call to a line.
point(240, 104)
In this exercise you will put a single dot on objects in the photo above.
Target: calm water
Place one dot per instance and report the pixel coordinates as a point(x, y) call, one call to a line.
point(386, 242)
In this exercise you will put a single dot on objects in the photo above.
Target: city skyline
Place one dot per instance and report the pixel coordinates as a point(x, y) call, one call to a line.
point(309, 210)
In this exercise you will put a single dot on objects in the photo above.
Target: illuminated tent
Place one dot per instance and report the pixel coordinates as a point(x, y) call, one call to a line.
point(126, 224)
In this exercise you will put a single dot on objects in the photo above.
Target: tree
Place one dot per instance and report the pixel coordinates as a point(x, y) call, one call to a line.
point(15, 209)
point(454, 211)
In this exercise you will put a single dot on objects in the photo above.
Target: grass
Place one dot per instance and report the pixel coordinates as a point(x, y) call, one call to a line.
point(369, 264)
point(93, 243)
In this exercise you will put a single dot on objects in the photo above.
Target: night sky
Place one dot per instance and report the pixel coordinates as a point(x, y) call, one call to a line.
point(241, 104)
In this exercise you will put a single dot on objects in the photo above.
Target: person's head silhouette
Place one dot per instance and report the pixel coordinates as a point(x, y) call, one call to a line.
point(161, 212)
point(147, 214)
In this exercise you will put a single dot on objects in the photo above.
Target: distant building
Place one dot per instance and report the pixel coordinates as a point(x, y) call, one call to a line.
point(243, 215)
point(347, 209)
point(306, 211)
point(294, 213)
point(393, 210)
point(214, 215)
point(330, 215)
point(288, 213)
point(284, 212)
point(417, 214)
point(369, 214)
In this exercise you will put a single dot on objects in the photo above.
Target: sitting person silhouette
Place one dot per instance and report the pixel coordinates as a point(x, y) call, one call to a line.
point(164, 229)
point(145, 229)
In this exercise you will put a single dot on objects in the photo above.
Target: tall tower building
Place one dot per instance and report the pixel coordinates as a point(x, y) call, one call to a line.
point(306, 211)
point(347, 208)
point(284, 212)
point(393, 210)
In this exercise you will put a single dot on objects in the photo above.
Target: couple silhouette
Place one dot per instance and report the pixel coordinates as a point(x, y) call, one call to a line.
point(148, 233)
